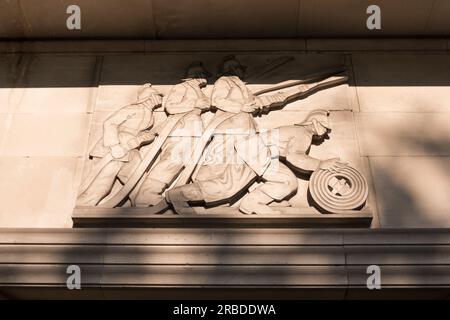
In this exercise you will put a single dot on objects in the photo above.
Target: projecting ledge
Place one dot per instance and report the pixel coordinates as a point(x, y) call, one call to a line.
point(218, 217)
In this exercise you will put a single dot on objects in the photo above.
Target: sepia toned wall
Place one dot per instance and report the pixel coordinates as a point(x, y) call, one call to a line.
point(210, 19)
point(391, 121)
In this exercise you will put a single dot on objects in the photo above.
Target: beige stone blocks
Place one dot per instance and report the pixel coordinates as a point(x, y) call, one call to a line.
point(404, 134)
point(412, 191)
point(5, 120)
point(45, 102)
point(391, 122)
point(38, 191)
point(403, 129)
point(9, 67)
point(46, 99)
point(46, 135)
point(57, 84)
point(402, 82)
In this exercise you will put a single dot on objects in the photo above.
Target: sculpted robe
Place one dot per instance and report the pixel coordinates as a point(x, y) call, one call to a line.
point(222, 174)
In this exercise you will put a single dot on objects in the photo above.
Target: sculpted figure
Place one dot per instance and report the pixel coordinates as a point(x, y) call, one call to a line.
point(115, 156)
point(188, 99)
point(290, 145)
point(221, 174)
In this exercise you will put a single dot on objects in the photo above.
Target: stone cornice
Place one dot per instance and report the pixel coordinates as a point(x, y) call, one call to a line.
point(232, 259)
point(234, 45)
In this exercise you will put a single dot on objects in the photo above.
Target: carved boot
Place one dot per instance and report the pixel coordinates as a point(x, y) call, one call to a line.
point(179, 198)
point(257, 202)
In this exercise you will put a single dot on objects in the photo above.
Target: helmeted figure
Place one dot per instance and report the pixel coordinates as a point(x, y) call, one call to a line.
point(221, 174)
point(115, 155)
point(267, 153)
point(185, 98)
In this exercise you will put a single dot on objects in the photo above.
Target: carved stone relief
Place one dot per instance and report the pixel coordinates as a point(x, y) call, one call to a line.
point(186, 164)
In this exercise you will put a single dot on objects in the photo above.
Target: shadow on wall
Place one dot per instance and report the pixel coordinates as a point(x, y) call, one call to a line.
point(412, 172)
point(77, 70)
point(412, 190)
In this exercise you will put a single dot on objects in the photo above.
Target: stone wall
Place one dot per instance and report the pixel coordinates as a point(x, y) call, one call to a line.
point(224, 263)
point(391, 121)
point(159, 19)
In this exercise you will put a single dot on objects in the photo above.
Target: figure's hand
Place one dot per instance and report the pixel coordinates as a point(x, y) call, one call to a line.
point(202, 103)
point(252, 106)
point(118, 151)
point(146, 136)
point(143, 137)
point(333, 165)
point(248, 108)
point(156, 101)
point(133, 143)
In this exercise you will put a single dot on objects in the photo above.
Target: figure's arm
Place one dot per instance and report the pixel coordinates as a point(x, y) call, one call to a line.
point(303, 162)
point(301, 91)
point(220, 97)
point(309, 164)
point(313, 87)
point(111, 125)
point(111, 131)
point(147, 136)
point(297, 157)
point(177, 100)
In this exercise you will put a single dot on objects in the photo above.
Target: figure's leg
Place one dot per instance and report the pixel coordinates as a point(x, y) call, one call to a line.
point(154, 184)
point(128, 170)
point(257, 202)
point(179, 197)
point(220, 188)
point(279, 183)
point(162, 174)
point(101, 186)
point(129, 167)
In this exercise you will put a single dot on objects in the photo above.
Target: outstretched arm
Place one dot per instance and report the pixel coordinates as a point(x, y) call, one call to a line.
point(301, 91)
point(304, 162)
point(307, 89)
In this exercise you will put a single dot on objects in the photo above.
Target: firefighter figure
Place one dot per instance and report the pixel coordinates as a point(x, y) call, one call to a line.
point(220, 176)
point(185, 98)
point(276, 148)
point(115, 155)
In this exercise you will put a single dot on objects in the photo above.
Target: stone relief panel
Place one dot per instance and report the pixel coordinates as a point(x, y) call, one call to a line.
point(249, 134)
